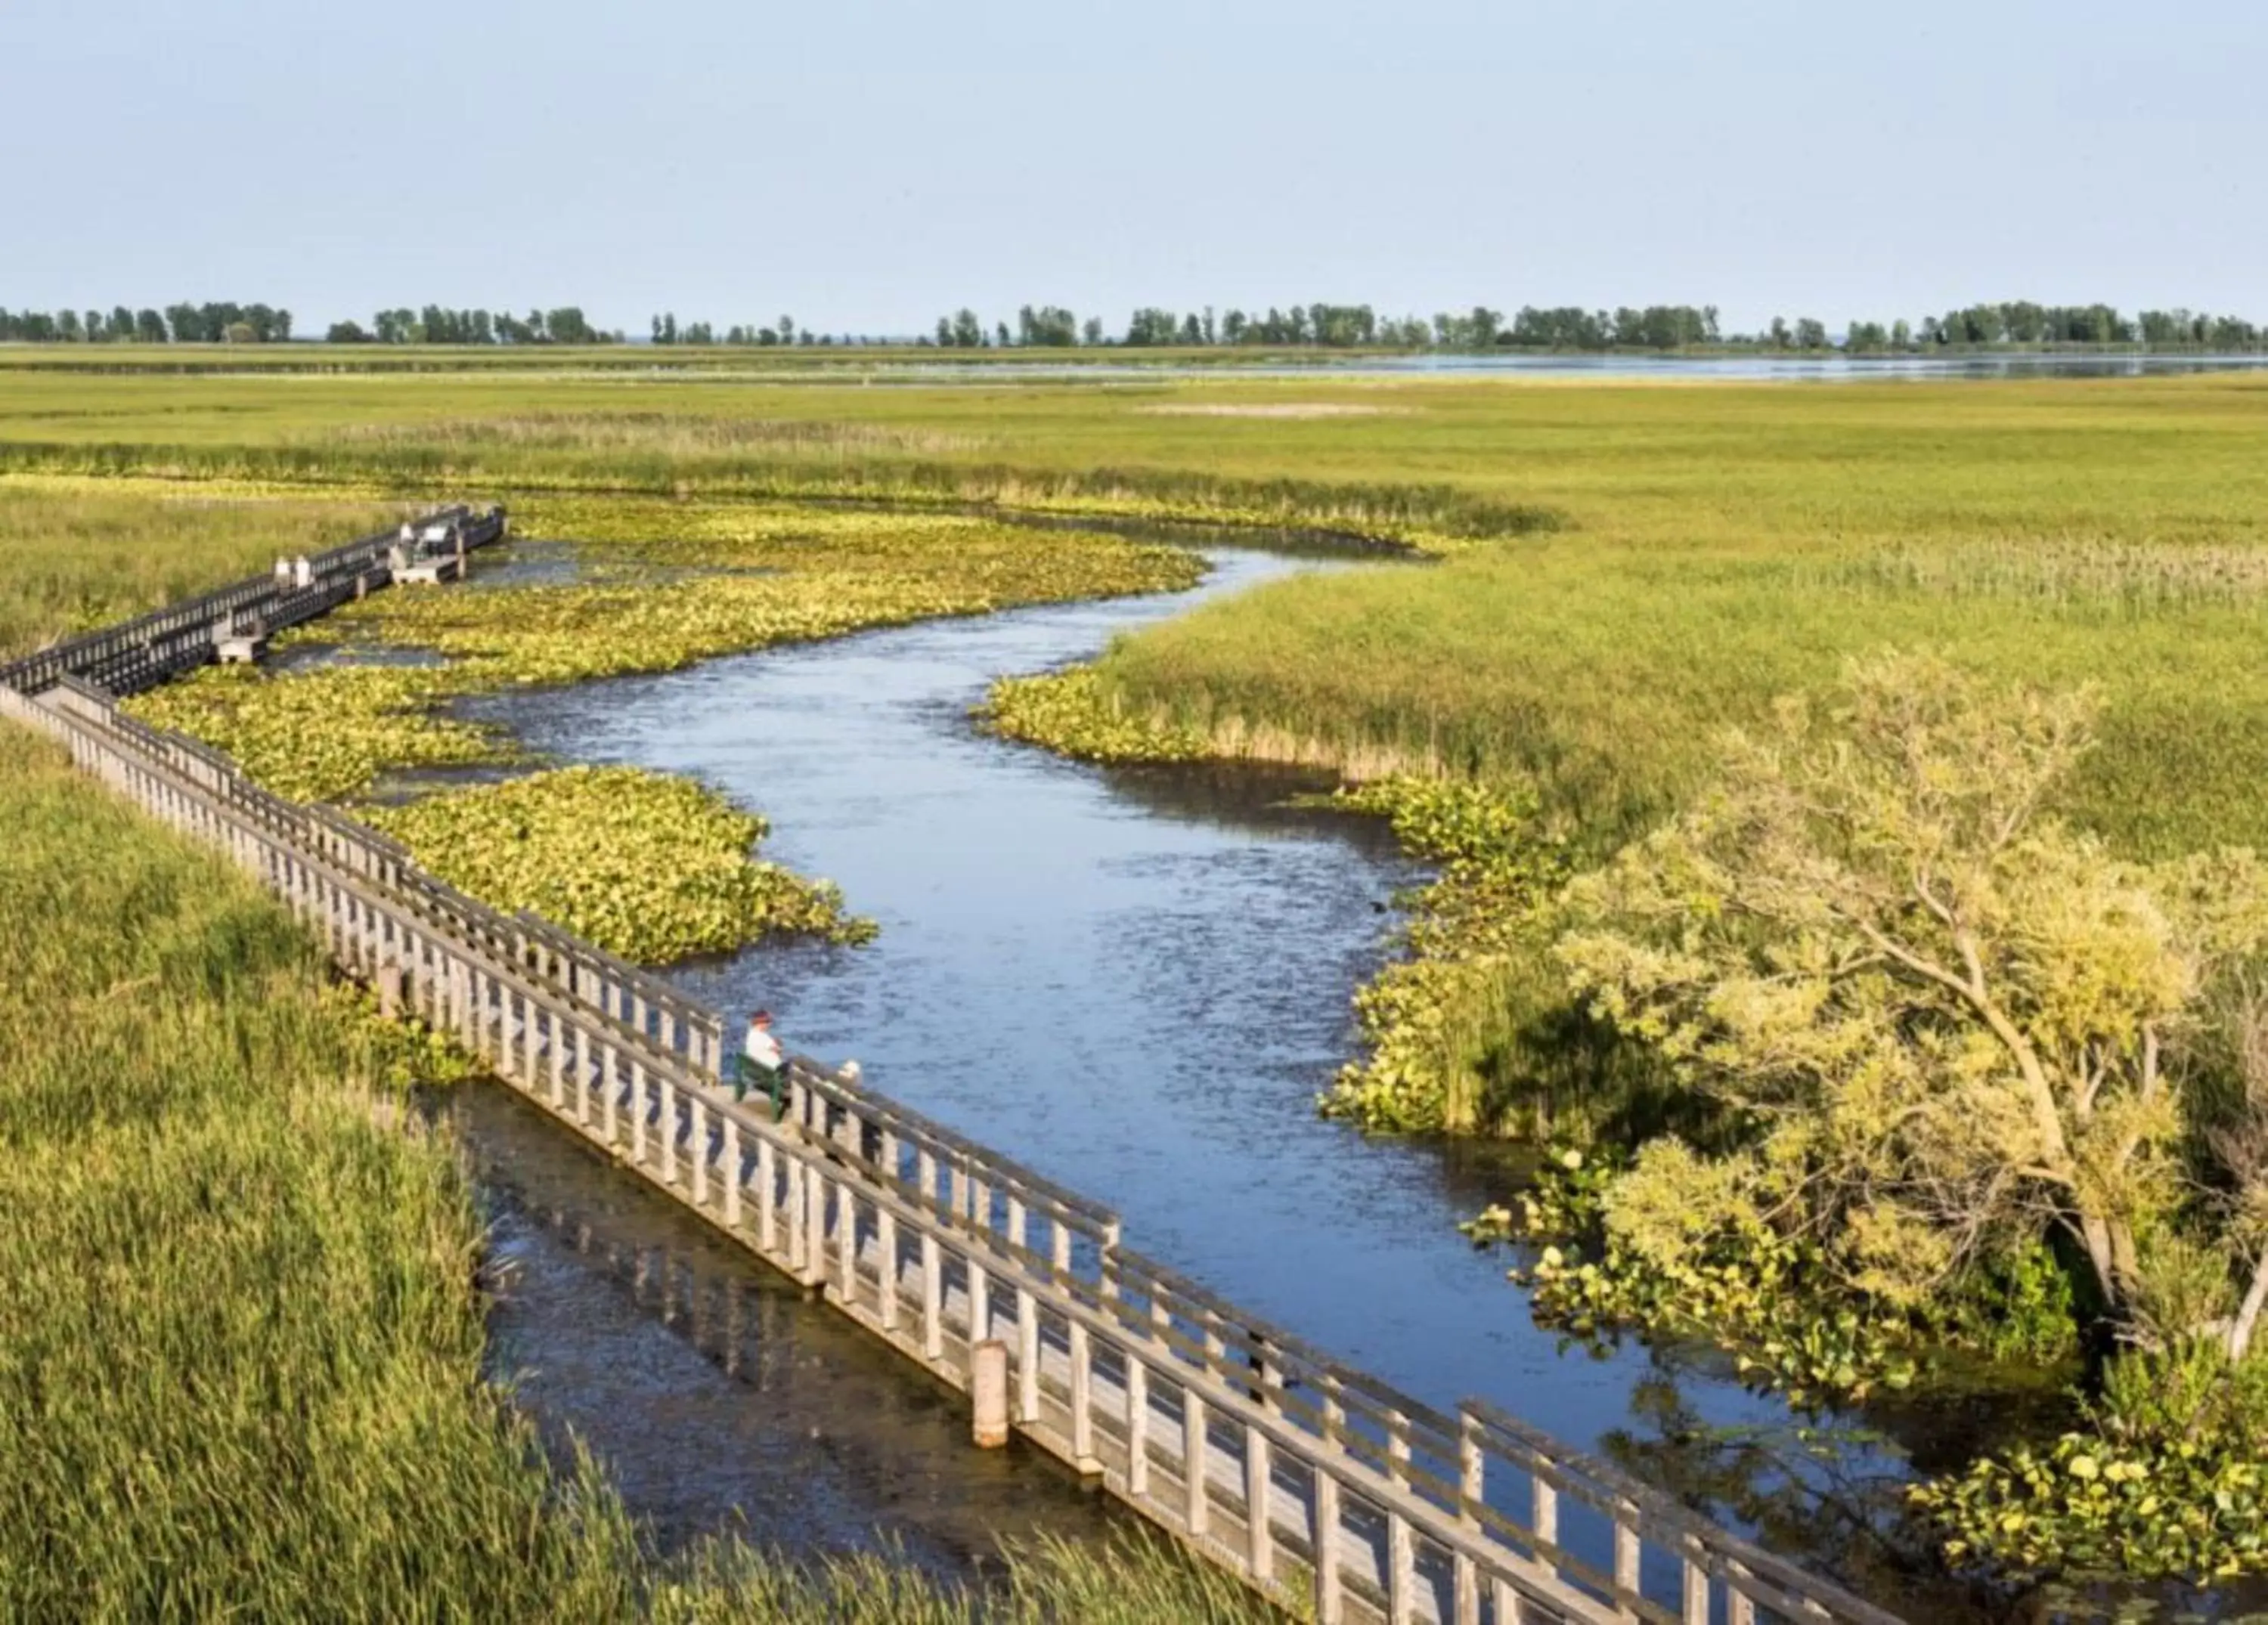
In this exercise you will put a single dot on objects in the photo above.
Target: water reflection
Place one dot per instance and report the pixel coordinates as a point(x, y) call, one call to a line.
point(716, 1397)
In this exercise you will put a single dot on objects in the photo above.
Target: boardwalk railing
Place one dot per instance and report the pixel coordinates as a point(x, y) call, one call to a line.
point(1312, 1482)
point(141, 653)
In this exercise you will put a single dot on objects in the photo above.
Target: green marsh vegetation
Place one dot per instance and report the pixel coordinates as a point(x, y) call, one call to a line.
point(1625, 573)
point(241, 1334)
point(649, 867)
point(80, 554)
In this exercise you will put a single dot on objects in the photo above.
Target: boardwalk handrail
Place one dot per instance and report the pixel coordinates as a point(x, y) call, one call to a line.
point(146, 649)
point(1303, 1476)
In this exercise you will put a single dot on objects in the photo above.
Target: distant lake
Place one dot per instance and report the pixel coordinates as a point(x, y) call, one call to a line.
point(1793, 369)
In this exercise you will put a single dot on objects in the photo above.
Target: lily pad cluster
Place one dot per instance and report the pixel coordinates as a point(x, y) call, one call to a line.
point(648, 866)
point(2170, 1479)
point(661, 584)
point(322, 735)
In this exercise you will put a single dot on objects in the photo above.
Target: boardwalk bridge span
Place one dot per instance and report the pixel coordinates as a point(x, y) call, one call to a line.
point(1318, 1485)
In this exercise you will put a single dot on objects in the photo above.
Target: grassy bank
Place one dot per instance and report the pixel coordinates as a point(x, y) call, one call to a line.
point(240, 1333)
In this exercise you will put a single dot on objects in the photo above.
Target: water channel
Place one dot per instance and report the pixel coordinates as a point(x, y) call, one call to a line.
point(1134, 981)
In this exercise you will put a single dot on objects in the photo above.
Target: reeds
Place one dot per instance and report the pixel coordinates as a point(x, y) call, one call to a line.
point(241, 1328)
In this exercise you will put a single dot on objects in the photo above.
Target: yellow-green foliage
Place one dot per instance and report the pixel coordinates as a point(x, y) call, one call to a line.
point(674, 584)
point(647, 866)
point(1067, 712)
point(320, 735)
point(1433, 1021)
point(2167, 1480)
point(657, 875)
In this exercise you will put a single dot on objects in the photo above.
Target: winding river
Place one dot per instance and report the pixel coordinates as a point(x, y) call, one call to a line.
point(1135, 980)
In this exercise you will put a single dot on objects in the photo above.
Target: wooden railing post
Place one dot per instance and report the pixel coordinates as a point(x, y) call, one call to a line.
point(932, 1299)
point(1196, 1505)
point(1260, 1541)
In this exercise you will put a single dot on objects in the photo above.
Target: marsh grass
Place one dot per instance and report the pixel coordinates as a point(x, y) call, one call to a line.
point(76, 555)
point(240, 1336)
point(241, 1328)
point(671, 434)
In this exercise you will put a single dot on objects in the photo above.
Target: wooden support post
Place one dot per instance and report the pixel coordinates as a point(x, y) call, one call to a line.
point(980, 1301)
point(556, 1042)
point(766, 1178)
point(987, 1384)
point(698, 1150)
point(638, 1112)
point(814, 1227)
point(1544, 1515)
point(932, 1299)
point(1401, 1570)
point(1330, 1595)
point(1261, 1539)
point(611, 1088)
point(1137, 1426)
point(390, 991)
point(733, 1176)
point(1696, 1589)
point(1471, 1494)
point(1082, 1401)
point(886, 1226)
point(1196, 1507)
point(1627, 1550)
point(846, 1239)
point(1028, 1357)
point(1740, 1607)
point(796, 1211)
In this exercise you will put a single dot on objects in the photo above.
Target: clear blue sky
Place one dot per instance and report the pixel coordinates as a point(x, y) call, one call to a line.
point(863, 165)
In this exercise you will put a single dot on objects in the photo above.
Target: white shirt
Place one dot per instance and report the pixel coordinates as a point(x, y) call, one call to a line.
point(764, 1049)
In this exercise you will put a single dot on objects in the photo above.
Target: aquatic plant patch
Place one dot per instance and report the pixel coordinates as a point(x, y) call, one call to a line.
point(651, 867)
point(1068, 713)
point(2168, 1480)
point(323, 735)
point(1433, 1018)
point(737, 578)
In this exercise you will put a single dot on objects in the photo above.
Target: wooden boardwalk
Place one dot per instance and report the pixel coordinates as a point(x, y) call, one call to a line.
point(1318, 1485)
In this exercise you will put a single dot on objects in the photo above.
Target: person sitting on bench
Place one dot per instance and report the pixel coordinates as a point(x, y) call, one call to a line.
point(763, 1063)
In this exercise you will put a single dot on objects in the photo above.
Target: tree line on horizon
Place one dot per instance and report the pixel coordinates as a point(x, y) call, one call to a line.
point(213, 323)
point(1658, 328)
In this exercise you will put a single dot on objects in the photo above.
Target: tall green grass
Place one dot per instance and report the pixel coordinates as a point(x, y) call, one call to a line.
point(241, 1328)
point(75, 555)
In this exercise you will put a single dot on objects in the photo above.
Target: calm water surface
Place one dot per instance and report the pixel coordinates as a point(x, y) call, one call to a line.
point(1135, 982)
